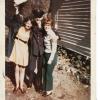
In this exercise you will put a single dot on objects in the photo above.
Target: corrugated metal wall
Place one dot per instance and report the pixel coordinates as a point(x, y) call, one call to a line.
point(73, 18)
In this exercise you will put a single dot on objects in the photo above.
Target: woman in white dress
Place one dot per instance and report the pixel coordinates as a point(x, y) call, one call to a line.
point(20, 53)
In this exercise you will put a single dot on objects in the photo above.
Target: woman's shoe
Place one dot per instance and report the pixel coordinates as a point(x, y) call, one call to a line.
point(15, 90)
point(23, 91)
point(47, 93)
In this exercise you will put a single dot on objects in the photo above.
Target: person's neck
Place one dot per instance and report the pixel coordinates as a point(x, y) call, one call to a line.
point(49, 30)
point(27, 29)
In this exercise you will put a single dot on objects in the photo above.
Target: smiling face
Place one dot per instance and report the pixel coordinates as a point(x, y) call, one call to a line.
point(28, 25)
point(47, 27)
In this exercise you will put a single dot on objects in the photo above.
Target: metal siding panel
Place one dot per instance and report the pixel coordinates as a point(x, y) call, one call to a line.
point(73, 20)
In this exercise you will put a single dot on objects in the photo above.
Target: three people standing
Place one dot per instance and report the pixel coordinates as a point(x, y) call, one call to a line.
point(43, 45)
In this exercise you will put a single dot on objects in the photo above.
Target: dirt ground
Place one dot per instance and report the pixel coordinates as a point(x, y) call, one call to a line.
point(66, 87)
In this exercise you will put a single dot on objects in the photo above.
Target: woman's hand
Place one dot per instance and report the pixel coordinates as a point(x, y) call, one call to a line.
point(49, 62)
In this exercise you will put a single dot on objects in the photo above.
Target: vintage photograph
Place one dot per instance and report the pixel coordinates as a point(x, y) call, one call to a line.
point(48, 49)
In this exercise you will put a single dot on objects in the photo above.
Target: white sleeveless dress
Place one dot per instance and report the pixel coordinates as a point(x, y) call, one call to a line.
point(20, 53)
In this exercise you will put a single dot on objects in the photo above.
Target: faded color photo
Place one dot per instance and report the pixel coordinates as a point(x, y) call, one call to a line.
point(48, 49)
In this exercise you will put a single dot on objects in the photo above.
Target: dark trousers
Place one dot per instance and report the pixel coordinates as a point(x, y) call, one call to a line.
point(47, 72)
point(36, 77)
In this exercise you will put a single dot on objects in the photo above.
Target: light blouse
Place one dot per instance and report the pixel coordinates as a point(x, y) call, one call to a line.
point(50, 42)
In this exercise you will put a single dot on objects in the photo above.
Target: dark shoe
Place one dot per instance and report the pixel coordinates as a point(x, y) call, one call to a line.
point(15, 90)
point(23, 91)
point(29, 85)
point(39, 90)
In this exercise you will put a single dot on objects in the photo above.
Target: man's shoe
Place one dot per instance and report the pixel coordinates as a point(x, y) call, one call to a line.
point(29, 85)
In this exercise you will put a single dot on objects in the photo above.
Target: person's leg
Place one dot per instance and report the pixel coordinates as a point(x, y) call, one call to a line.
point(36, 82)
point(49, 78)
point(31, 77)
point(16, 79)
point(17, 76)
point(46, 57)
point(44, 77)
point(48, 75)
point(39, 74)
point(32, 66)
point(22, 75)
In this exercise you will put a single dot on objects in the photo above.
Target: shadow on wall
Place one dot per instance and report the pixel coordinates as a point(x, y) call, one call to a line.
point(55, 5)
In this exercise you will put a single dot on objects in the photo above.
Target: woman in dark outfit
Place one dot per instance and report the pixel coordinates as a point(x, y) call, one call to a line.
point(36, 56)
